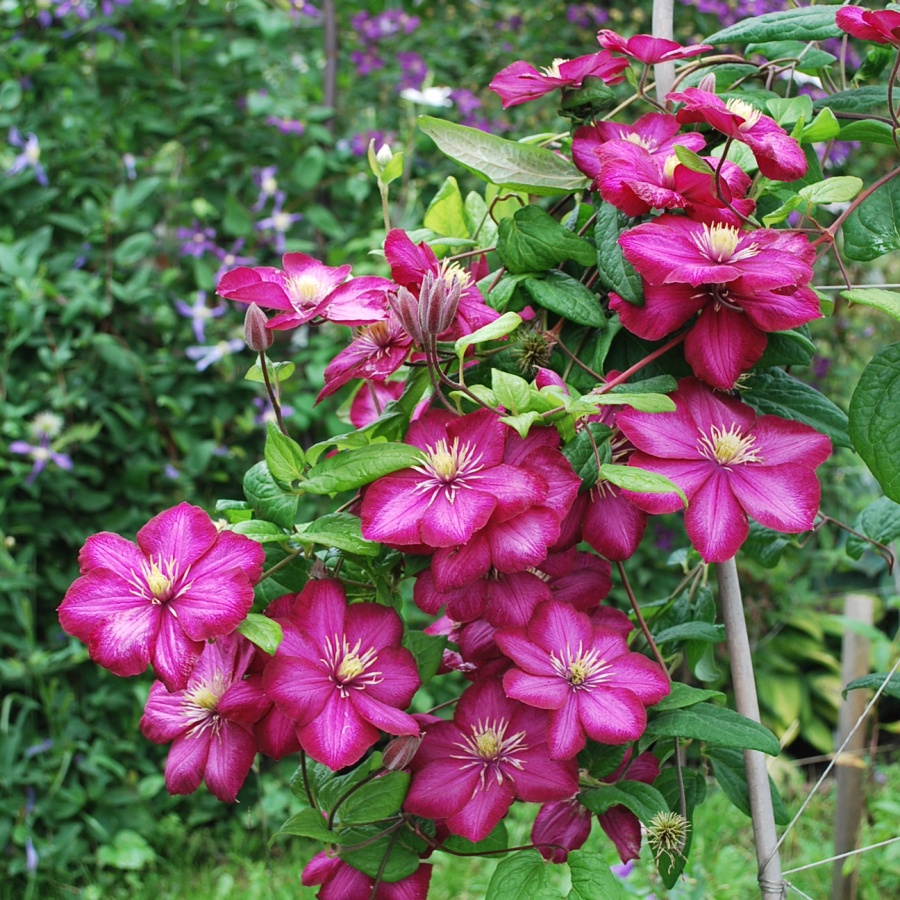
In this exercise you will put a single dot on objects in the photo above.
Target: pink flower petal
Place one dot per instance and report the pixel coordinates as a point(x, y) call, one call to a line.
point(452, 517)
point(715, 521)
point(565, 734)
point(399, 677)
point(623, 828)
point(541, 691)
point(484, 810)
point(298, 687)
point(338, 736)
point(523, 541)
point(386, 718)
point(453, 567)
point(183, 533)
point(110, 551)
point(187, 761)
point(373, 625)
point(722, 345)
point(641, 676)
point(611, 715)
point(783, 441)
point(165, 716)
point(174, 654)
point(613, 525)
point(666, 308)
point(542, 779)
point(232, 750)
point(784, 497)
point(441, 788)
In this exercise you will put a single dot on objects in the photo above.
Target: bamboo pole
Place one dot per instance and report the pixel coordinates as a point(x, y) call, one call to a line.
point(764, 836)
point(663, 27)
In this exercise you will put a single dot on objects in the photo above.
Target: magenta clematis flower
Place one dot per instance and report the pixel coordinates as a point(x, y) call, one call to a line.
point(521, 82)
point(340, 881)
point(636, 181)
point(879, 25)
point(584, 674)
point(469, 771)
point(777, 154)
point(410, 262)
point(673, 249)
point(648, 49)
point(184, 583)
point(560, 827)
point(376, 352)
point(621, 825)
point(341, 674)
point(209, 722)
point(305, 289)
point(731, 464)
point(460, 484)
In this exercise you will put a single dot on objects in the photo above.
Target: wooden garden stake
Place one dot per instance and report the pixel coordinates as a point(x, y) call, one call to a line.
point(663, 27)
point(764, 836)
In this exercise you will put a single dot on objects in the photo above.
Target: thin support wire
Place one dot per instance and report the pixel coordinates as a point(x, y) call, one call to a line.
point(837, 754)
point(797, 890)
point(822, 862)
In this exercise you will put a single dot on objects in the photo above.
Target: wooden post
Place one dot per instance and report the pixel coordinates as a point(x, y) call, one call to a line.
point(849, 766)
point(663, 27)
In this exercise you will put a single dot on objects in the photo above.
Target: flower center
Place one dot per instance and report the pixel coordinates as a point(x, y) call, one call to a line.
point(646, 143)
point(202, 699)
point(453, 272)
point(669, 167)
point(489, 746)
point(32, 153)
point(304, 291)
point(582, 670)
point(281, 221)
point(269, 185)
point(750, 114)
point(552, 71)
point(160, 577)
point(719, 243)
point(350, 668)
point(40, 454)
point(729, 446)
point(448, 466)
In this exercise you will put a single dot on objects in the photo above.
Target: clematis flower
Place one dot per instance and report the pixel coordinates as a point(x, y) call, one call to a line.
point(305, 289)
point(341, 674)
point(461, 482)
point(209, 724)
point(621, 825)
point(29, 158)
point(879, 25)
point(340, 881)
point(521, 82)
point(279, 222)
point(41, 453)
point(411, 262)
point(158, 602)
point(199, 312)
point(196, 241)
point(673, 249)
point(731, 464)
point(584, 674)
point(777, 154)
point(648, 49)
point(205, 355)
point(560, 827)
point(469, 771)
point(729, 336)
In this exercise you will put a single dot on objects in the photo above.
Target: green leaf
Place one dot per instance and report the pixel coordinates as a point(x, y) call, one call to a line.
point(788, 110)
point(642, 799)
point(728, 767)
point(284, 456)
point(692, 631)
point(522, 423)
point(478, 220)
point(880, 521)
point(128, 850)
point(809, 58)
point(765, 545)
point(716, 725)
point(616, 274)
point(640, 481)
point(693, 161)
point(873, 228)
point(592, 878)
point(783, 211)
point(370, 852)
point(511, 391)
point(258, 530)
point(428, 649)
point(445, 214)
point(823, 128)
point(810, 23)
point(855, 100)
point(832, 190)
point(308, 823)
point(496, 840)
point(532, 240)
point(581, 455)
point(774, 392)
point(378, 799)
point(601, 760)
point(868, 131)
point(519, 166)
point(351, 469)
point(134, 249)
point(875, 681)
point(875, 419)
point(637, 399)
point(266, 633)
point(339, 530)
point(567, 297)
point(788, 348)
point(522, 876)
point(278, 371)
point(267, 499)
point(886, 301)
point(683, 695)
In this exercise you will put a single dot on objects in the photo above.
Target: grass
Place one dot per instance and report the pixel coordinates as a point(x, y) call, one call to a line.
point(236, 862)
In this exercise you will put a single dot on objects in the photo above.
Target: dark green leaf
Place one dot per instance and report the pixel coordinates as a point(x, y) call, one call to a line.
point(716, 725)
point(568, 297)
point(765, 545)
point(351, 469)
point(268, 500)
point(774, 392)
point(809, 23)
point(693, 631)
point(868, 131)
point(496, 840)
point(616, 274)
point(728, 767)
point(519, 166)
point(788, 348)
point(308, 823)
point(873, 228)
point(581, 455)
point(886, 301)
point(339, 530)
point(284, 456)
point(428, 650)
point(874, 682)
point(378, 799)
point(522, 876)
point(682, 695)
point(642, 799)
point(369, 858)
point(601, 760)
point(532, 240)
point(592, 878)
point(266, 633)
point(880, 521)
point(134, 249)
point(875, 419)
point(855, 100)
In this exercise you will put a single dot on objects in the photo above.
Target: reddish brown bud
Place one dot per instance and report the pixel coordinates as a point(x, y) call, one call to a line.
point(399, 752)
point(257, 336)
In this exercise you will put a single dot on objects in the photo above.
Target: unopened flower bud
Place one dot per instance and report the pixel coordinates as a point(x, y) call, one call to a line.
point(438, 302)
point(708, 83)
point(384, 155)
point(399, 752)
point(256, 335)
point(406, 306)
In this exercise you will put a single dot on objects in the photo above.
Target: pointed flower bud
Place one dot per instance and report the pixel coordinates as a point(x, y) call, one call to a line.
point(384, 155)
point(256, 335)
point(708, 83)
point(399, 752)
point(439, 301)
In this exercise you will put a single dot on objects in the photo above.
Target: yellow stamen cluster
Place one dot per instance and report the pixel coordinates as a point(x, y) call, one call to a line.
point(750, 114)
point(729, 446)
point(303, 290)
point(553, 69)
